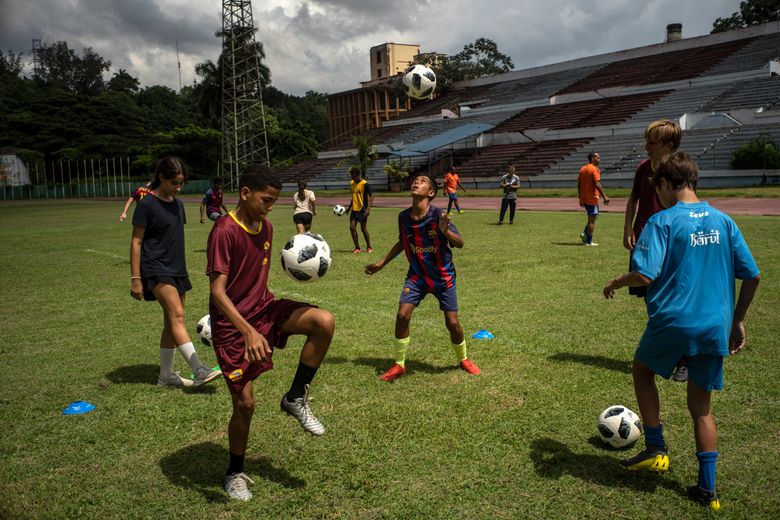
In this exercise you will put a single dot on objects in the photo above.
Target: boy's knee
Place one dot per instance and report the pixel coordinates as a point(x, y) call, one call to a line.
point(403, 316)
point(453, 324)
point(326, 323)
point(245, 407)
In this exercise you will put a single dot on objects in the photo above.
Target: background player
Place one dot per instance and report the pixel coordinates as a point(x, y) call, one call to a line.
point(304, 208)
point(212, 201)
point(425, 235)
point(139, 193)
point(158, 269)
point(590, 190)
point(688, 256)
point(510, 182)
point(247, 323)
point(452, 183)
point(360, 208)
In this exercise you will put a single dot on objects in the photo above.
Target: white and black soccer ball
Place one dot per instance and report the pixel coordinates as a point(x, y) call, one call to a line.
point(306, 257)
point(339, 210)
point(419, 81)
point(619, 427)
point(203, 329)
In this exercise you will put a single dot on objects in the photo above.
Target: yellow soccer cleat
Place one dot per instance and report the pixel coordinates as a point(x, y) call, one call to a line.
point(704, 497)
point(651, 459)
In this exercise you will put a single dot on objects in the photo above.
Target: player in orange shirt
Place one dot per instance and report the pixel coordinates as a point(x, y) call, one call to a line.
point(451, 183)
point(589, 189)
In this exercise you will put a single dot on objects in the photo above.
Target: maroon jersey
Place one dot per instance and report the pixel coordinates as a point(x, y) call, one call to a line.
point(244, 257)
point(644, 192)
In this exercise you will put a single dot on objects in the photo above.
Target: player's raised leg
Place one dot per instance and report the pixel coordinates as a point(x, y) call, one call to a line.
point(318, 327)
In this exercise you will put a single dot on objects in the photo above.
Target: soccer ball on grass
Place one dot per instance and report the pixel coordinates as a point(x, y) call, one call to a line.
point(339, 210)
point(619, 427)
point(203, 329)
point(419, 81)
point(306, 257)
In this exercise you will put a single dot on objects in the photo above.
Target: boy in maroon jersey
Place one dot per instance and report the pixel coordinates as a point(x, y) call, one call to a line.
point(247, 323)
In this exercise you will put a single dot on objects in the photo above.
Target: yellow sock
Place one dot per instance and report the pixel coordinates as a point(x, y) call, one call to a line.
point(460, 350)
point(401, 346)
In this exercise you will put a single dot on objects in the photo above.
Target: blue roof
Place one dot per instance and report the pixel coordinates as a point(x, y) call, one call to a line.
point(443, 139)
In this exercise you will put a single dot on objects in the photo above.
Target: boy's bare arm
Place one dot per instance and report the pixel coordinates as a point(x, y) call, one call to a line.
point(377, 266)
point(256, 346)
point(202, 206)
point(453, 238)
point(632, 279)
point(629, 240)
point(737, 337)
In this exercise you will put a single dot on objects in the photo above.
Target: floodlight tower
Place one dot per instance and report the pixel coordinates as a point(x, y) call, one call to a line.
point(244, 138)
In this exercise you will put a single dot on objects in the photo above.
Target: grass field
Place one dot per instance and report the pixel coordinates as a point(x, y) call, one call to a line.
point(516, 442)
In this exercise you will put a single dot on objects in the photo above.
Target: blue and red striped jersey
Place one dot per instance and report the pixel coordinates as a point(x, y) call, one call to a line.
point(427, 249)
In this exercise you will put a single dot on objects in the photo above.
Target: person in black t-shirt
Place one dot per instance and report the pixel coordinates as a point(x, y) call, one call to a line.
point(158, 269)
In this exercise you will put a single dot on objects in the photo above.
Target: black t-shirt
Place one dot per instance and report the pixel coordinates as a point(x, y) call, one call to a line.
point(162, 249)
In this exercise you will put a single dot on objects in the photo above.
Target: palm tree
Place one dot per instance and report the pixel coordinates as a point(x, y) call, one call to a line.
point(363, 156)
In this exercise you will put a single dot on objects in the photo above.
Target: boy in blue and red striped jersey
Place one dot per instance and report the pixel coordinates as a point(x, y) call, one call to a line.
point(426, 235)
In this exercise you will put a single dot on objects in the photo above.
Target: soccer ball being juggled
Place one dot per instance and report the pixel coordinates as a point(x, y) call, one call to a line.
point(619, 427)
point(339, 210)
point(306, 257)
point(419, 81)
point(203, 329)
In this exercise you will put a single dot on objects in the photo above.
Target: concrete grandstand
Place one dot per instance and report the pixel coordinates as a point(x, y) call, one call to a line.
point(724, 89)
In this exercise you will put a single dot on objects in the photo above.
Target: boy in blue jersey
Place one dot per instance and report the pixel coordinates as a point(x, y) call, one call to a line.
point(688, 256)
point(425, 235)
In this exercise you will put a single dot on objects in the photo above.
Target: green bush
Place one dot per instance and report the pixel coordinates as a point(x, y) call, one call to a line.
point(756, 155)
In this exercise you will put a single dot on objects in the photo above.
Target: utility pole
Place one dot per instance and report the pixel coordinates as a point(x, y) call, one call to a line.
point(244, 139)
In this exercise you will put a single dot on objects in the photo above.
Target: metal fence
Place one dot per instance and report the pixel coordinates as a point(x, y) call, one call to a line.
point(83, 178)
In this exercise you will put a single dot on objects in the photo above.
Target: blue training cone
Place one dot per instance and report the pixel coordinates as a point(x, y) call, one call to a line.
point(483, 334)
point(78, 408)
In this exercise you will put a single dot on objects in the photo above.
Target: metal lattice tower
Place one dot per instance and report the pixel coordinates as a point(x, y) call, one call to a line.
point(244, 139)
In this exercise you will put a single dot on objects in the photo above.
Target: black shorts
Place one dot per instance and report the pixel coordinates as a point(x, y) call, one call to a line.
point(182, 284)
point(359, 216)
point(302, 218)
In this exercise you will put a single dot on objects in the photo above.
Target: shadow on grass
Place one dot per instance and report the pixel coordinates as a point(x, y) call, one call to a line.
point(553, 459)
point(381, 365)
point(617, 365)
point(147, 374)
point(201, 468)
point(567, 244)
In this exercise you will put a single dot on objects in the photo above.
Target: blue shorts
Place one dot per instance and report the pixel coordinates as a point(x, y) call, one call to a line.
point(414, 294)
point(453, 195)
point(706, 370)
point(592, 209)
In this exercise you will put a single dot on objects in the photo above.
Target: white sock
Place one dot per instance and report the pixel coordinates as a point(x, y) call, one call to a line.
point(188, 352)
point(166, 363)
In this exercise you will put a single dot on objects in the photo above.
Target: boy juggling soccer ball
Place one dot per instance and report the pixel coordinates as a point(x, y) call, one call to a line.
point(425, 235)
point(247, 323)
point(688, 257)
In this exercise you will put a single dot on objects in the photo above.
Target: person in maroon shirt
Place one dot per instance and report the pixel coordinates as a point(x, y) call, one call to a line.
point(248, 323)
point(661, 139)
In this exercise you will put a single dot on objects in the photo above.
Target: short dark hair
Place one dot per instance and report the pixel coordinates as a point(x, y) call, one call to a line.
point(431, 178)
point(258, 177)
point(679, 169)
point(591, 155)
point(167, 168)
point(354, 170)
point(216, 180)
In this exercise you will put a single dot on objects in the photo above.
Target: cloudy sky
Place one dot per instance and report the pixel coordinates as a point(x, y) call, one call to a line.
point(323, 45)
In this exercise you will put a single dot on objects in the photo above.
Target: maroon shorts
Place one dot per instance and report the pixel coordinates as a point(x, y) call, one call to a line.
point(237, 370)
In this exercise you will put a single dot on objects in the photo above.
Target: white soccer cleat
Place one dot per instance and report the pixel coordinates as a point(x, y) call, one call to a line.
point(236, 486)
point(299, 408)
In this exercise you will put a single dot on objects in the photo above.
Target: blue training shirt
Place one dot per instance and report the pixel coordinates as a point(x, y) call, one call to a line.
point(427, 249)
point(692, 253)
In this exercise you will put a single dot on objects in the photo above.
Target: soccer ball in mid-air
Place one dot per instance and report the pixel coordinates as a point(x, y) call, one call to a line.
point(203, 329)
point(419, 81)
point(619, 427)
point(339, 210)
point(306, 257)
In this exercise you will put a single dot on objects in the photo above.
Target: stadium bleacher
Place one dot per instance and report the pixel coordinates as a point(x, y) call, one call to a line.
point(546, 120)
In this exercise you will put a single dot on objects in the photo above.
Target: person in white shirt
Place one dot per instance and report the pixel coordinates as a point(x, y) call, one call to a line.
point(304, 208)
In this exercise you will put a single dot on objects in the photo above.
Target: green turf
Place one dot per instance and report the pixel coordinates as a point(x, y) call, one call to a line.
point(516, 442)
